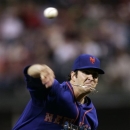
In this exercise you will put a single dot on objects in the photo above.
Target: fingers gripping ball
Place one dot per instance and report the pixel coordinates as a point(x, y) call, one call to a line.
point(50, 12)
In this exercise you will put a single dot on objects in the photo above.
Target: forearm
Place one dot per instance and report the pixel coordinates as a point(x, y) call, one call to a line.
point(43, 72)
point(35, 70)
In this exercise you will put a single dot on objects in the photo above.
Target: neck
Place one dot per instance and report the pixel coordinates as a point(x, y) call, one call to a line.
point(80, 99)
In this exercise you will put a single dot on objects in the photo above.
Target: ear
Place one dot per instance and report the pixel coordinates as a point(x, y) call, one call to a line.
point(73, 76)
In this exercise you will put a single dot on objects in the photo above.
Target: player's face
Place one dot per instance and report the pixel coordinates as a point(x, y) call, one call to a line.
point(87, 78)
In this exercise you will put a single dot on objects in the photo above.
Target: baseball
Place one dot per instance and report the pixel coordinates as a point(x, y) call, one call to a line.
point(50, 12)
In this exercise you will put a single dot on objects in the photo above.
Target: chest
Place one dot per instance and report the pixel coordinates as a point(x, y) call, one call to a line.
point(62, 106)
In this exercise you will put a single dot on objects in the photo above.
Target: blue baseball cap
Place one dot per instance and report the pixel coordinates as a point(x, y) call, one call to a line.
point(86, 61)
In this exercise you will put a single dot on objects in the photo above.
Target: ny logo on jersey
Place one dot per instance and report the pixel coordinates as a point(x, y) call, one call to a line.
point(92, 60)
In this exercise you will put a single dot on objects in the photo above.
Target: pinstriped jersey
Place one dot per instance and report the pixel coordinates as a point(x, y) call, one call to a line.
point(49, 109)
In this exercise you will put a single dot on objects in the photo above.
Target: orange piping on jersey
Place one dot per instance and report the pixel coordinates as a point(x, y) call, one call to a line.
point(86, 113)
point(75, 102)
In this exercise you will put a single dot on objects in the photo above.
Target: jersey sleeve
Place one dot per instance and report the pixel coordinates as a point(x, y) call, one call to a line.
point(37, 90)
point(32, 83)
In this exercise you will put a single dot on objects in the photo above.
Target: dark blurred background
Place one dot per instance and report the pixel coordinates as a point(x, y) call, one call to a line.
point(98, 27)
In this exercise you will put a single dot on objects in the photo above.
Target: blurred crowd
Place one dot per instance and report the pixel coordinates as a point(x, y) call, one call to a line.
point(101, 29)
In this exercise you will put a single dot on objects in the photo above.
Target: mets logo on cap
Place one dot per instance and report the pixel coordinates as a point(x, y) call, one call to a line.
point(92, 60)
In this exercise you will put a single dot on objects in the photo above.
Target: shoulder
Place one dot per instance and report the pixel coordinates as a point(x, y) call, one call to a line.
point(61, 89)
point(59, 86)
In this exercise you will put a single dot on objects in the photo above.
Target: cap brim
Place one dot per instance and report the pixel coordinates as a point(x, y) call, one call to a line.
point(100, 71)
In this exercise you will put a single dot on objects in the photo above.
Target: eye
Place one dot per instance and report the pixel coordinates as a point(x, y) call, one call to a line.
point(90, 72)
point(95, 75)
